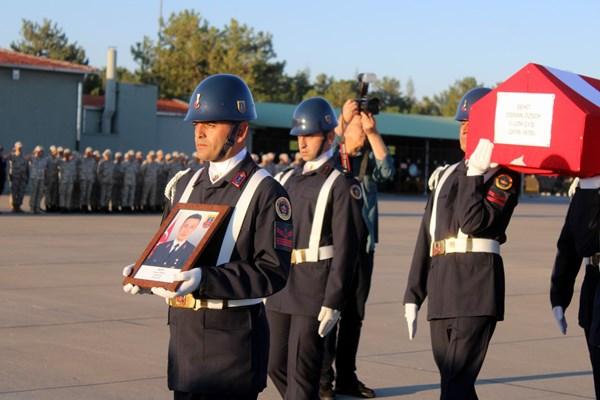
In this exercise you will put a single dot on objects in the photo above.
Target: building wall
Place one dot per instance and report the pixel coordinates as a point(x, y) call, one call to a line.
point(39, 108)
point(175, 134)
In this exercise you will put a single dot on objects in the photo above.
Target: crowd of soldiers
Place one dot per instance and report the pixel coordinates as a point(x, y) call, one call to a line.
point(67, 181)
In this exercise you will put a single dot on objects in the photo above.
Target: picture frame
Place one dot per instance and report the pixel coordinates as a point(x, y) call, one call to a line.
point(178, 243)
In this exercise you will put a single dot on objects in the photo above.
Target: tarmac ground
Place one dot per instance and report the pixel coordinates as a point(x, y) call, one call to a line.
point(69, 332)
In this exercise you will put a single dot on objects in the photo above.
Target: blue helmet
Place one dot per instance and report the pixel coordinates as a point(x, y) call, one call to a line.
point(221, 97)
point(313, 115)
point(469, 98)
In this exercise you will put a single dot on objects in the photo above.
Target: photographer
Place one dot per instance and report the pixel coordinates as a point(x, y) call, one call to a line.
point(367, 158)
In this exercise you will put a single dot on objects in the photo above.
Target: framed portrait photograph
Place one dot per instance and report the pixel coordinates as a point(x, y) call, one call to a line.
point(177, 244)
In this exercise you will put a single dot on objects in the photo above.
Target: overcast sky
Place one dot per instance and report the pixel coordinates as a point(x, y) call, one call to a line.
point(433, 42)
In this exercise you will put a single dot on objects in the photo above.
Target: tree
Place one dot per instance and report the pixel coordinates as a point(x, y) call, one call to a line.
point(447, 101)
point(48, 40)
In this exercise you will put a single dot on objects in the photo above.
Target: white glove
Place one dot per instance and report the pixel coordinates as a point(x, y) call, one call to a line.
point(573, 187)
point(481, 159)
point(410, 313)
point(328, 317)
point(561, 321)
point(190, 282)
point(130, 287)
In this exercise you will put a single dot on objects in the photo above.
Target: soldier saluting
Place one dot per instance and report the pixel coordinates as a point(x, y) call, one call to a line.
point(457, 263)
point(219, 338)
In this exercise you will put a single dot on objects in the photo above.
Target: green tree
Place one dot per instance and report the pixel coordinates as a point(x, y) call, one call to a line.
point(335, 91)
point(48, 40)
point(94, 84)
point(447, 101)
point(425, 106)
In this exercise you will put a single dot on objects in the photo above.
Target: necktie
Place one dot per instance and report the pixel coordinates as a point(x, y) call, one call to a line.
point(174, 249)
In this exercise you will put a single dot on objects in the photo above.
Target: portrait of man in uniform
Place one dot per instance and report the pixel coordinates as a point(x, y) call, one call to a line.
point(173, 253)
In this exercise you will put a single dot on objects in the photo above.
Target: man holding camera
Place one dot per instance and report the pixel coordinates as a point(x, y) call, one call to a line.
point(366, 157)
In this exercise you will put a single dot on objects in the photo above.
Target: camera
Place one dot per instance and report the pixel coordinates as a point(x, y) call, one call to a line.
point(368, 105)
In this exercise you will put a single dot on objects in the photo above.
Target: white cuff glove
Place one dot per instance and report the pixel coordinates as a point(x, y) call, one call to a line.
point(190, 282)
point(410, 313)
point(328, 317)
point(561, 321)
point(130, 287)
point(481, 159)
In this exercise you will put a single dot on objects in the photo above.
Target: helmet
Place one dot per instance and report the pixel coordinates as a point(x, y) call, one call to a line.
point(221, 97)
point(469, 98)
point(312, 116)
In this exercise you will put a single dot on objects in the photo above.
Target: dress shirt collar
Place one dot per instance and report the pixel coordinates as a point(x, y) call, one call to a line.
point(217, 170)
point(313, 165)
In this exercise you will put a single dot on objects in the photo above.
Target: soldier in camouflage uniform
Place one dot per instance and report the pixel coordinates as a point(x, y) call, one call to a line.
point(117, 188)
point(67, 173)
point(130, 169)
point(52, 180)
point(95, 198)
point(149, 172)
point(37, 167)
point(161, 178)
point(87, 176)
point(139, 179)
point(18, 174)
point(105, 179)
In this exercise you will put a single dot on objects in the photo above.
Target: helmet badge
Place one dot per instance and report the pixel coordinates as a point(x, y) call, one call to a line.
point(464, 106)
point(328, 118)
point(197, 101)
point(241, 106)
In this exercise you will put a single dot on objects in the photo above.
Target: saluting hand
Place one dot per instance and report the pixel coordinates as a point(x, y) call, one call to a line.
point(481, 159)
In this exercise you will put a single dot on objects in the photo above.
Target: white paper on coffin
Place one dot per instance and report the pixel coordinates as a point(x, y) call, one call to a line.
point(524, 119)
point(158, 274)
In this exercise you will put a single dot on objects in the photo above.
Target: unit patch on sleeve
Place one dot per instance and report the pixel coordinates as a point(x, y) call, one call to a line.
point(239, 179)
point(504, 182)
point(283, 208)
point(356, 192)
point(284, 235)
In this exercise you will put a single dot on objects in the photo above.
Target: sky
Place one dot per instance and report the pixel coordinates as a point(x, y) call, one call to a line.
point(432, 42)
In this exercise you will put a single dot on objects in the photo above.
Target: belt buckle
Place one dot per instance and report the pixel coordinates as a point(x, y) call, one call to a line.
point(438, 248)
point(186, 301)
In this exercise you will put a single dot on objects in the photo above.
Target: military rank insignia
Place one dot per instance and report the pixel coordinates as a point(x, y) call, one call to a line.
point(504, 182)
point(283, 208)
point(239, 179)
point(355, 192)
point(284, 235)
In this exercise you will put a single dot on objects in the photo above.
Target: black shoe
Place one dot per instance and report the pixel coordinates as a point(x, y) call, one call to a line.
point(356, 389)
point(326, 392)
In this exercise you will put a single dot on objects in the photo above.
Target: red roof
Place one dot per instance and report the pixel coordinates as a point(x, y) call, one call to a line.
point(9, 58)
point(163, 105)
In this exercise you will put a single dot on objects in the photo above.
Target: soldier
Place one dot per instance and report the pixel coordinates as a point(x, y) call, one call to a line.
point(161, 179)
point(87, 178)
point(130, 168)
point(457, 260)
point(105, 178)
point(117, 189)
point(95, 198)
point(369, 162)
point(580, 241)
point(219, 333)
point(139, 179)
point(67, 172)
point(328, 235)
point(2, 170)
point(149, 171)
point(52, 180)
point(38, 166)
point(175, 165)
point(18, 173)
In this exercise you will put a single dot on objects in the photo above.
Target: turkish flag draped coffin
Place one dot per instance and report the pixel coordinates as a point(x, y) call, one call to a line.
point(541, 120)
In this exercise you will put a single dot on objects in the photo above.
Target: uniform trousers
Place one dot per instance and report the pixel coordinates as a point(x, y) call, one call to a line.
point(51, 198)
point(194, 396)
point(85, 192)
point(17, 188)
point(295, 355)
point(149, 195)
point(65, 193)
point(459, 348)
point(105, 194)
point(128, 194)
point(589, 313)
point(37, 192)
point(342, 342)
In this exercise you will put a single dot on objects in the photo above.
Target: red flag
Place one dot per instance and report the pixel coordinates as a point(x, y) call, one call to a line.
point(164, 237)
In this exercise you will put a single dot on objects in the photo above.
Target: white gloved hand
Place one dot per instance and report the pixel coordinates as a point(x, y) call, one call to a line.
point(328, 317)
point(130, 287)
point(190, 282)
point(481, 159)
point(561, 321)
point(410, 313)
